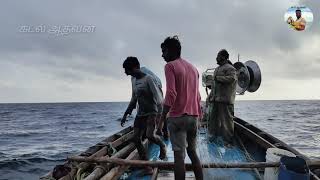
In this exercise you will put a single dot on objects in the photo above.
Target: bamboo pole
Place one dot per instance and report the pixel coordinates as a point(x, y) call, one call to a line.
point(170, 165)
point(84, 165)
point(101, 169)
point(72, 173)
point(111, 173)
point(102, 152)
point(122, 139)
point(117, 171)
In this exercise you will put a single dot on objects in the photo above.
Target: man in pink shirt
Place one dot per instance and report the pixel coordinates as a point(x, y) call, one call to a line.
point(181, 107)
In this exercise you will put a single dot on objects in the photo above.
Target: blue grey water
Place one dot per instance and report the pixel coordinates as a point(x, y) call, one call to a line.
point(36, 137)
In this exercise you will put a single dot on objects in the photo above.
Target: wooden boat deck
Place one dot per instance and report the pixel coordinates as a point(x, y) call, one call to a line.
point(207, 152)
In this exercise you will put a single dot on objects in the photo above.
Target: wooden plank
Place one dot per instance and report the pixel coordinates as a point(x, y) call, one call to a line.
point(268, 137)
point(253, 136)
point(122, 139)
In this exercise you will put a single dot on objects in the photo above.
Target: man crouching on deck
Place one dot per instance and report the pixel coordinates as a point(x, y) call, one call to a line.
point(182, 101)
point(149, 98)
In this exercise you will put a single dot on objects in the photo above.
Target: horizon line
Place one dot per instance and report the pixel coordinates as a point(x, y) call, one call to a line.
point(57, 102)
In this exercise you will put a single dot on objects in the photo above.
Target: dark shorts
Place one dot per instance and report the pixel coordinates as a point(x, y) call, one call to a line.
point(183, 132)
point(141, 122)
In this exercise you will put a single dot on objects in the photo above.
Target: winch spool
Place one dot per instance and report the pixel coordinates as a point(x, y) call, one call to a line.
point(255, 75)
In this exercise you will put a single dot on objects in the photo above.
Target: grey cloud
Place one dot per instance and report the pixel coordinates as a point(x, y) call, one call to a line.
point(255, 29)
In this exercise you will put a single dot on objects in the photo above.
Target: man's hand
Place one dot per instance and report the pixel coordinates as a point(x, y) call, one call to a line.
point(124, 119)
point(160, 126)
point(163, 118)
point(215, 73)
point(123, 122)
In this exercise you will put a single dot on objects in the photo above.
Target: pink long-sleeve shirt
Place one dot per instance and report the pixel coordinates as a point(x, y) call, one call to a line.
point(182, 93)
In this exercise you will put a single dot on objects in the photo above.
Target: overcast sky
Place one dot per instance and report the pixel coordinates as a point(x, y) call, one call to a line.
point(48, 67)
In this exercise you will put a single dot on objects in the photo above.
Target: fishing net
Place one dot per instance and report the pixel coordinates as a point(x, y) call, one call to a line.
point(209, 150)
point(216, 151)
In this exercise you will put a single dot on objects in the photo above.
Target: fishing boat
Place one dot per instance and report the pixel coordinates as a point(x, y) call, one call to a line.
point(250, 156)
point(247, 157)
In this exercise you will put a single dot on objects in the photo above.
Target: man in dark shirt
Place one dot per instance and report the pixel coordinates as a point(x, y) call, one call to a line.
point(149, 98)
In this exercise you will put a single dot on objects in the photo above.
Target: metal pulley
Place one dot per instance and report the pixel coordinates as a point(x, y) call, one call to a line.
point(255, 75)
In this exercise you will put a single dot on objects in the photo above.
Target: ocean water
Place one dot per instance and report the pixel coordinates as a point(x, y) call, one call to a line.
point(36, 137)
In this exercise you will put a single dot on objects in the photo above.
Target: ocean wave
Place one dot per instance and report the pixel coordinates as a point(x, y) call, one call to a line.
point(3, 156)
point(23, 162)
point(5, 113)
point(270, 119)
point(23, 133)
point(33, 110)
point(99, 127)
point(13, 163)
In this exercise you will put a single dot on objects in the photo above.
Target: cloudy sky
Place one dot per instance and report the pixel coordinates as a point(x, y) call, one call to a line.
point(52, 67)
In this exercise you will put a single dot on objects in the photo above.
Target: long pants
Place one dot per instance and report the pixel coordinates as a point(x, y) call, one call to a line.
point(220, 121)
point(148, 124)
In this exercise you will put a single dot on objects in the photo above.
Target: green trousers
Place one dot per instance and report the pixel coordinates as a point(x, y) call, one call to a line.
point(220, 120)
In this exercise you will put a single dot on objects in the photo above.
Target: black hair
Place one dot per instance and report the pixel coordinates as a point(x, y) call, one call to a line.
point(298, 10)
point(224, 53)
point(131, 62)
point(173, 44)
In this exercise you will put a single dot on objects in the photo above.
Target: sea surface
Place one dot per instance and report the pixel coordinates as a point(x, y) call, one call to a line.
point(35, 137)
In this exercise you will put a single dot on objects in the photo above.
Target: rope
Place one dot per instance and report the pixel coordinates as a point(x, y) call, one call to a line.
point(248, 156)
point(82, 173)
point(110, 149)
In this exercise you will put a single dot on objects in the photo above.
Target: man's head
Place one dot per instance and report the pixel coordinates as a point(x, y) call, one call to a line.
point(171, 48)
point(130, 65)
point(222, 56)
point(298, 13)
